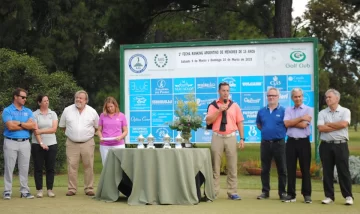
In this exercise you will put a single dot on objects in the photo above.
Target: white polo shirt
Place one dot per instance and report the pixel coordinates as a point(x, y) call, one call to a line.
point(327, 116)
point(79, 127)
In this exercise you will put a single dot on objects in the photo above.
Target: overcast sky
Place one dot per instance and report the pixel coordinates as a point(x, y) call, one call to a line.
point(298, 7)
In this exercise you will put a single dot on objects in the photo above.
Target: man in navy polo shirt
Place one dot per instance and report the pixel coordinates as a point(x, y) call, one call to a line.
point(18, 121)
point(273, 131)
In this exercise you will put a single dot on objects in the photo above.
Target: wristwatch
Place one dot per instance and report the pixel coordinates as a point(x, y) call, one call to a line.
point(20, 124)
point(41, 143)
point(242, 139)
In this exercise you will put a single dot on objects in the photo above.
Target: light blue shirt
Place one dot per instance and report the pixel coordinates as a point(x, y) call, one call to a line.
point(11, 113)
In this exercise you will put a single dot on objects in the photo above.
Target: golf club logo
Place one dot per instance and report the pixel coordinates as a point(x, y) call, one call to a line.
point(297, 56)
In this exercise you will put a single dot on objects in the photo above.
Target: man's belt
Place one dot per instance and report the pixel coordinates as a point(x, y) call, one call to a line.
point(298, 138)
point(18, 139)
point(334, 141)
point(273, 140)
point(224, 135)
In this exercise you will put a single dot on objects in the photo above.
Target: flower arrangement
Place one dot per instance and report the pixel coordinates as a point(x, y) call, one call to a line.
point(187, 117)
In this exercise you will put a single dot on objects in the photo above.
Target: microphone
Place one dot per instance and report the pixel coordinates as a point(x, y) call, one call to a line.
point(225, 101)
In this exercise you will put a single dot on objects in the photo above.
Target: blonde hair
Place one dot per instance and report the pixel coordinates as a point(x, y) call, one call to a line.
point(112, 101)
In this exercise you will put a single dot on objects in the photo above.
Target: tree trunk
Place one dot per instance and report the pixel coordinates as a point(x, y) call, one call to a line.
point(282, 19)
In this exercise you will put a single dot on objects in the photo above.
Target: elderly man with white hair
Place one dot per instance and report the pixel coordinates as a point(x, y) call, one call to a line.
point(333, 125)
point(80, 122)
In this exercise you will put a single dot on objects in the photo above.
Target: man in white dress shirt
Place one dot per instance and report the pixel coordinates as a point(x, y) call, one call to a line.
point(80, 122)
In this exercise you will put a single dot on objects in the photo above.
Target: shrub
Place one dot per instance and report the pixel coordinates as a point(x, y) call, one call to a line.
point(20, 70)
point(354, 167)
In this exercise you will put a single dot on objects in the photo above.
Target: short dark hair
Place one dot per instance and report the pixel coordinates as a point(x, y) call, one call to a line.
point(222, 84)
point(17, 91)
point(40, 97)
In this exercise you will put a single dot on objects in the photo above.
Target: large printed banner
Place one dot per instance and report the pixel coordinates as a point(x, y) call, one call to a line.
point(156, 78)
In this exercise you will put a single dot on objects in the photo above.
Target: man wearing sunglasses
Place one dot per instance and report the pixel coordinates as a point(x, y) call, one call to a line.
point(18, 121)
point(273, 131)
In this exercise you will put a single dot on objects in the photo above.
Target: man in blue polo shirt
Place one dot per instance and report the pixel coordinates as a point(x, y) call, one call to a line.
point(18, 121)
point(273, 131)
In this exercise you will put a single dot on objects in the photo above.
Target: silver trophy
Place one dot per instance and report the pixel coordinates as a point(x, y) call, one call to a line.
point(178, 141)
point(140, 140)
point(150, 140)
point(166, 142)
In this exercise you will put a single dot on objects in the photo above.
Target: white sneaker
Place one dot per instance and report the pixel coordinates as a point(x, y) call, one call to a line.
point(349, 200)
point(50, 193)
point(327, 201)
point(39, 193)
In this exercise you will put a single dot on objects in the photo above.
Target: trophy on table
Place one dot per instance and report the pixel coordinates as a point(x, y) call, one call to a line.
point(150, 140)
point(178, 141)
point(166, 142)
point(140, 140)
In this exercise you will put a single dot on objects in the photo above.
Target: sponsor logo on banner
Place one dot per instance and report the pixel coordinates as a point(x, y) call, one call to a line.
point(234, 83)
point(277, 81)
point(140, 102)
point(206, 85)
point(252, 101)
point(161, 118)
point(162, 102)
point(284, 96)
point(139, 87)
point(136, 131)
point(252, 84)
point(202, 103)
point(161, 86)
point(203, 100)
point(249, 116)
point(161, 60)
point(137, 63)
point(299, 81)
point(140, 118)
point(160, 132)
point(252, 134)
point(297, 56)
point(184, 85)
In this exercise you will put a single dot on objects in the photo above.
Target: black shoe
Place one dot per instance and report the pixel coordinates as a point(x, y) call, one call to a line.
point(263, 196)
point(283, 196)
point(307, 199)
point(288, 199)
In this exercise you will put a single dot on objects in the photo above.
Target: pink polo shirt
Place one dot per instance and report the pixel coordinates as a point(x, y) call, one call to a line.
point(233, 117)
point(112, 127)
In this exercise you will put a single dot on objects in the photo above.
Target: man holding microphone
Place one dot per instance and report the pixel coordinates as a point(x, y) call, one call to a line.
point(226, 118)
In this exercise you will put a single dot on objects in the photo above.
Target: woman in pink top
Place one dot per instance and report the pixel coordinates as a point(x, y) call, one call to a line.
point(112, 128)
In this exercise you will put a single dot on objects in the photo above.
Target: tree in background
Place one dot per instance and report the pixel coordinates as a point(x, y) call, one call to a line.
point(20, 70)
point(337, 28)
